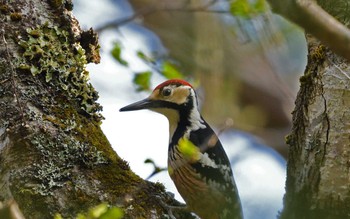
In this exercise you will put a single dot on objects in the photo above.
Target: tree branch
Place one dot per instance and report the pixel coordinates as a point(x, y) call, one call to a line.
point(310, 16)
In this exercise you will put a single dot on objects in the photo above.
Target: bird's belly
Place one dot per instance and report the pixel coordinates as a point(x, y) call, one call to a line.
point(207, 202)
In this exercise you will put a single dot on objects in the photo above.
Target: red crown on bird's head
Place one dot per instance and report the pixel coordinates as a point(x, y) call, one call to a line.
point(177, 82)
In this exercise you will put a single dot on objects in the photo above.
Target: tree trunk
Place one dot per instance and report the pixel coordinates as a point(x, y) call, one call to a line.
point(318, 177)
point(54, 157)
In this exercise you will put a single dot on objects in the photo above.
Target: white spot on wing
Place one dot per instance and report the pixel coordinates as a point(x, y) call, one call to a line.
point(206, 161)
point(225, 170)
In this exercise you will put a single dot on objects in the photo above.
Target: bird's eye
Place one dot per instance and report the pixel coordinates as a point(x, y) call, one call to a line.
point(166, 92)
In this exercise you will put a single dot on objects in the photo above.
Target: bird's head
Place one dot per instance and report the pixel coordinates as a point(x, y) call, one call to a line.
point(175, 99)
point(173, 94)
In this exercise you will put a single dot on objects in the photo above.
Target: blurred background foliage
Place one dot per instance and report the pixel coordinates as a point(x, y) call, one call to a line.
point(244, 60)
point(101, 211)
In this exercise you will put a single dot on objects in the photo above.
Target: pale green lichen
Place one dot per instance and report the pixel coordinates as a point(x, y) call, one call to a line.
point(48, 51)
point(59, 156)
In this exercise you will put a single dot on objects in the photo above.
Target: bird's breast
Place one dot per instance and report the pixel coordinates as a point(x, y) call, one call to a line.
point(196, 192)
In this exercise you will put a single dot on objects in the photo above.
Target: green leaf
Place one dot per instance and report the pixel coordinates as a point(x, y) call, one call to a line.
point(57, 216)
point(149, 160)
point(240, 8)
point(261, 6)
point(246, 8)
point(116, 53)
point(170, 71)
point(141, 55)
point(189, 150)
point(81, 216)
point(101, 211)
point(144, 57)
point(113, 213)
point(142, 80)
point(98, 210)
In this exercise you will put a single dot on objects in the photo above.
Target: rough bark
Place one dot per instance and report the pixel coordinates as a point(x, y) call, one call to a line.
point(318, 182)
point(54, 157)
point(318, 178)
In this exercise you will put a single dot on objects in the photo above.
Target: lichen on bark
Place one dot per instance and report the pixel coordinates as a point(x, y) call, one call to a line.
point(48, 51)
point(54, 158)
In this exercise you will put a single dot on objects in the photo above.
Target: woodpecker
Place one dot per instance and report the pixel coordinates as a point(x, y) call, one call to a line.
point(197, 162)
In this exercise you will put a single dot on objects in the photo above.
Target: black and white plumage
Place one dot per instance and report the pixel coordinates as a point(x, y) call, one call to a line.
point(204, 180)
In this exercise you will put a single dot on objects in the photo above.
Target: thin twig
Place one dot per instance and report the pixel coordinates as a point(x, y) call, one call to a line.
point(155, 8)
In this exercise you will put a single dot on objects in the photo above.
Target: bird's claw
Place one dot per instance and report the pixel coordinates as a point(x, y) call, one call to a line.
point(170, 208)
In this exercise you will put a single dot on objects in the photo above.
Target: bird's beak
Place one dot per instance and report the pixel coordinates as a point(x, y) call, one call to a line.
point(139, 105)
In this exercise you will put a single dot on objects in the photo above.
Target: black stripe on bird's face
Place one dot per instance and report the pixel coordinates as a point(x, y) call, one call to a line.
point(173, 97)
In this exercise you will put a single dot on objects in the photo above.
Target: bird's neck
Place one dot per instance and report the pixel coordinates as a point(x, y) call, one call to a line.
point(173, 117)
